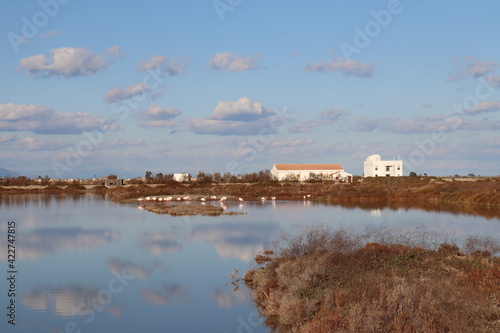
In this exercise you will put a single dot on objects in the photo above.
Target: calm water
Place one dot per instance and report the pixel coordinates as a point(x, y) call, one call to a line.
point(85, 264)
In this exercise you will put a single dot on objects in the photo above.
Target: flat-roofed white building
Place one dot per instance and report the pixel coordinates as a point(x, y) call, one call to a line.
point(375, 167)
point(181, 177)
point(303, 172)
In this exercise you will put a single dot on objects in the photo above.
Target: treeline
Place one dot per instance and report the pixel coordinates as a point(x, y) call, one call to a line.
point(263, 176)
point(25, 181)
point(43, 181)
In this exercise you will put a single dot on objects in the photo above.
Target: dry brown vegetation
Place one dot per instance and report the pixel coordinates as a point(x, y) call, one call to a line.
point(188, 210)
point(340, 281)
point(483, 192)
point(479, 196)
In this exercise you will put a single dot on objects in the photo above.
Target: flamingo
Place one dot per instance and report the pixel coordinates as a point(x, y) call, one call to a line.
point(223, 199)
point(273, 198)
point(263, 198)
point(160, 199)
point(153, 199)
point(241, 199)
point(148, 198)
point(203, 199)
point(178, 199)
point(308, 195)
point(213, 197)
point(168, 198)
point(140, 199)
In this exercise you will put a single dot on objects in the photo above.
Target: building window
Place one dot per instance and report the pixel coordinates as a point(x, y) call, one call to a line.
point(376, 168)
point(399, 168)
point(388, 168)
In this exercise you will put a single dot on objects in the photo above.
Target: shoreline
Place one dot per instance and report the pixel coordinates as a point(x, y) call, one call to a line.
point(470, 195)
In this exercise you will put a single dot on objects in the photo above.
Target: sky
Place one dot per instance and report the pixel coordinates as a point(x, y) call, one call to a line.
point(89, 88)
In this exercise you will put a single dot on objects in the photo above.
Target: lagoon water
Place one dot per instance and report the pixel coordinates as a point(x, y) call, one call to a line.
point(86, 264)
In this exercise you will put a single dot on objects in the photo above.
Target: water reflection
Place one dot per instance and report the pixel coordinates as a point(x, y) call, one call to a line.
point(122, 266)
point(241, 240)
point(168, 293)
point(486, 212)
point(43, 242)
point(228, 298)
point(159, 243)
point(71, 249)
point(67, 301)
point(45, 199)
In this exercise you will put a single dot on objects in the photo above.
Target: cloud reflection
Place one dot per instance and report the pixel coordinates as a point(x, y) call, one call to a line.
point(43, 242)
point(126, 267)
point(241, 241)
point(169, 292)
point(157, 244)
point(68, 301)
point(227, 298)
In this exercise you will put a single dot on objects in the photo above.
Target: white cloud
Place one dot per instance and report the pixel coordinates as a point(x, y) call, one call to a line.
point(473, 68)
point(119, 143)
point(33, 144)
point(167, 67)
point(119, 93)
point(226, 127)
point(50, 33)
point(493, 80)
point(482, 106)
point(240, 117)
point(157, 116)
point(65, 61)
point(291, 142)
point(326, 118)
point(243, 109)
point(40, 119)
point(8, 138)
point(232, 62)
point(156, 61)
point(428, 124)
point(346, 66)
point(113, 50)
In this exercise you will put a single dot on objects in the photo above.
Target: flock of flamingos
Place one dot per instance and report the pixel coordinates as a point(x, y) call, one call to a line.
point(202, 199)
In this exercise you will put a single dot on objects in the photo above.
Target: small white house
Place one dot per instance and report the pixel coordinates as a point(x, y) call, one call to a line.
point(181, 177)
point(375, 167)
point(303, 172)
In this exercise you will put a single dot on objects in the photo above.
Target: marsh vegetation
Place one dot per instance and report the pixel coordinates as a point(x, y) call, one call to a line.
point(380, 280)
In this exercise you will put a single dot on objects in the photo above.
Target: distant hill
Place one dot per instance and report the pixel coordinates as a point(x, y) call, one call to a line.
point(7, 173)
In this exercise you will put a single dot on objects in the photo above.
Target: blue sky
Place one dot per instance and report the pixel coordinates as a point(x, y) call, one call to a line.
point(88, 88)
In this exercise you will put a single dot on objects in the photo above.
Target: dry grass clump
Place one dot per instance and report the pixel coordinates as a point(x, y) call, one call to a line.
point(339, 281)
point(189, 210)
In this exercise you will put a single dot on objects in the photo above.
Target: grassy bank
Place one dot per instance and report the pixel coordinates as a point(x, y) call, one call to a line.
point(474, 195)
point(484, 192)
point(188, 210)
point(337, 281)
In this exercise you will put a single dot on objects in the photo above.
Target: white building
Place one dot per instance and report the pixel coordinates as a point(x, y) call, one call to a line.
point(181, 177)
point(303, 172)
point(375, 167)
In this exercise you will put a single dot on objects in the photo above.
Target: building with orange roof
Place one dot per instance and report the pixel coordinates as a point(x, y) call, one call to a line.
point(304, 172)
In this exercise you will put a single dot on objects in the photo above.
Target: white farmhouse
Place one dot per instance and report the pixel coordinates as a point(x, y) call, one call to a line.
point(181, 177)
point(375, 167)
point(303, 172)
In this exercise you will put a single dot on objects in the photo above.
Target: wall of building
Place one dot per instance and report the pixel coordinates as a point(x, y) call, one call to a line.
point(304, 175)
point(181, 177)
point(375, 167)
